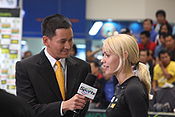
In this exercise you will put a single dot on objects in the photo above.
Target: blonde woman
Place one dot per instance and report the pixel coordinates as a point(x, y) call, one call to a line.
point(121, 58)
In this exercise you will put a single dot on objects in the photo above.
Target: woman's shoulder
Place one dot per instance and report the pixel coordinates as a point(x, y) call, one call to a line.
point(134, 86)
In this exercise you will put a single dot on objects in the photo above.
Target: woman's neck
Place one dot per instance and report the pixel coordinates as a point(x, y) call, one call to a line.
point(123, 76)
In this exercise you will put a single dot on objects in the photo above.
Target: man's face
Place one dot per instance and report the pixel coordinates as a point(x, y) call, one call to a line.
point(147, 26)
point(169, 42)
point(165, 59)
point(162, 40)
point(160, 19)
point(143, 57)
point(164, 29)
point(59, 45)
point(144, 39)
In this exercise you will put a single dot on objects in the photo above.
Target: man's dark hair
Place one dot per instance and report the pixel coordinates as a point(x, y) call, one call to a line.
point(164, 51)
point(146, 33)
point(161, 12)
point(150, 20)
point(96, 64)
point(125, 31)
point(145, 50)
point(75, 49)
point(170, 35)
point(163, 34)
point(169, 27)
point(53, 22)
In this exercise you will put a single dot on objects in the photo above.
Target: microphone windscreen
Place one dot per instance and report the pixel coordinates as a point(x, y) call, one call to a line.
point(90, 79)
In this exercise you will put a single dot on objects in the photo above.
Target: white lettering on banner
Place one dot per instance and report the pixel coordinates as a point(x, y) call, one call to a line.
point(87, 91)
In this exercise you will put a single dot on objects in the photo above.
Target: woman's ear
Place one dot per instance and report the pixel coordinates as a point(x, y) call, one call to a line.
point(125, 55)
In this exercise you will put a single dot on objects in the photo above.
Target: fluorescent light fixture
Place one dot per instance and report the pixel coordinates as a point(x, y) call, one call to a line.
point(81, 46)
point(95, 28)
point(109, 20)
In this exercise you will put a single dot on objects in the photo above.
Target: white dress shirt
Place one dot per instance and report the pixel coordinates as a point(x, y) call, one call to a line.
point(64, 68)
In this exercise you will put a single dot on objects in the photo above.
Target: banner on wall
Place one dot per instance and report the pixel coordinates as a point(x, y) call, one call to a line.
point(10, 38)
point(8, 3)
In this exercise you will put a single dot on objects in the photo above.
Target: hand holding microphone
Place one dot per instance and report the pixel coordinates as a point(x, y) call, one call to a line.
point(76, 102)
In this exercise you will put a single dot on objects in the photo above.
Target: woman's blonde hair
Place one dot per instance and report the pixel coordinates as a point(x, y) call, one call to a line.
point(126, 47)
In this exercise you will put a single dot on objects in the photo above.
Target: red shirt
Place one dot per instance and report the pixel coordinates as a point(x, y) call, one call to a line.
point(149, 46)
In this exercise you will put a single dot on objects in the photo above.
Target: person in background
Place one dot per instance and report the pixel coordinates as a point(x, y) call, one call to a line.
point(27, 54)
point(161, 19)
point(159, 47)
point(121, 58)
point(49, 81)
point(164, 72)
point(13, 106)
point(107, 87)
point(146, 43)
point(164, 28)
point(90, 55)
point(125, 31)
point(144, 58)
point(163, 83)
point(148, 26)
point(170, 45)
point(73, 51)
point(95, 69)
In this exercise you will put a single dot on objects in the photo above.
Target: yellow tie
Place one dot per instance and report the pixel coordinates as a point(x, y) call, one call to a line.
point(60, 79)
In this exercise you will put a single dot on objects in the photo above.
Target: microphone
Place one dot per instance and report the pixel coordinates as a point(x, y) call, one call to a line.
point(86, 88)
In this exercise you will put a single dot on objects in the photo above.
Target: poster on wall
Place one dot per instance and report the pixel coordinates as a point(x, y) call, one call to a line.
point(8, 3)
point(10, 38)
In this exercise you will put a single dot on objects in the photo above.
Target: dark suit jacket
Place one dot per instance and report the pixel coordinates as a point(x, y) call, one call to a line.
point(36, 82)
point(13, 106)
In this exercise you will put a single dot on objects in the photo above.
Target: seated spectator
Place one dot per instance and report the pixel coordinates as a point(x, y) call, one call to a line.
point(160, 47)
point(148, 26)
point(144, 58)
point(164, 28)
point(27, 54)
point(164, 72)
point(163, 84)
point(170, 46)
point(161, 19)
point(106, 86)
point(146, 43)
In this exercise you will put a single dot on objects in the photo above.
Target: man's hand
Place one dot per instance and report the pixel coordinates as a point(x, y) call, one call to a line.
point(76, 102)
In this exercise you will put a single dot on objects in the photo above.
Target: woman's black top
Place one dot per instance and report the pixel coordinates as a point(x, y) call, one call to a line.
point(130, 100)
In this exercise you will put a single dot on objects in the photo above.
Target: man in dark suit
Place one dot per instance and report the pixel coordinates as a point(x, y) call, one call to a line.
point(13, 106)
point(35, 76)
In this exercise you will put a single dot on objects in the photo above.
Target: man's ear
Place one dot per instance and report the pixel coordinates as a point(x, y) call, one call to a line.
point(45, 41)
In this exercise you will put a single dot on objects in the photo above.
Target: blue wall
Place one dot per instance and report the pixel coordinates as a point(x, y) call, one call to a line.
point(36, 10)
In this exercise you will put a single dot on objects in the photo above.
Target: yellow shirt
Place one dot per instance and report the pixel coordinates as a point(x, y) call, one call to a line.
point(158, 74)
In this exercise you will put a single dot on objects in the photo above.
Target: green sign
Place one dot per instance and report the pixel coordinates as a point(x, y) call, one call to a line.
point(6, 12)
point(101, 113)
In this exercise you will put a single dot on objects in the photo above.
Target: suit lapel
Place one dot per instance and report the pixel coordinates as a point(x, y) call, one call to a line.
point(48, 74)
point(71, 75)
